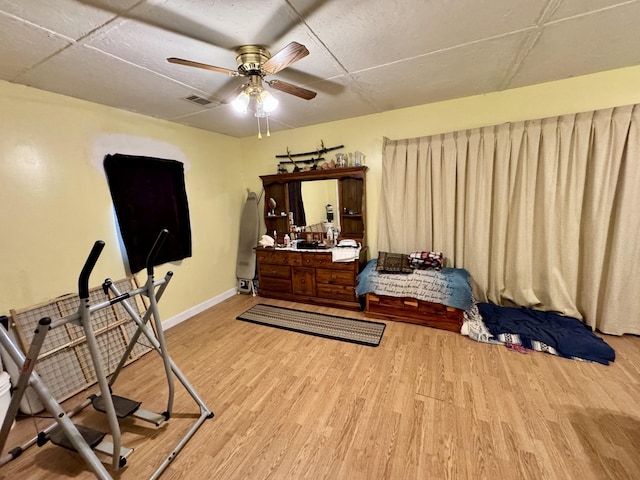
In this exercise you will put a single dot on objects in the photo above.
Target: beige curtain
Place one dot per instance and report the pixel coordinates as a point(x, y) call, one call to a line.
point(543, 214)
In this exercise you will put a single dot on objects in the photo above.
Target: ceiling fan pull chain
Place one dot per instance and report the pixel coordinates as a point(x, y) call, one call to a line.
point(268, 132)
point(259, 132)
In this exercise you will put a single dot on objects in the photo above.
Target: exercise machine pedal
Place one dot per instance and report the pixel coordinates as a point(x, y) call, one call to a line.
point(91, 437)
point(125, 407)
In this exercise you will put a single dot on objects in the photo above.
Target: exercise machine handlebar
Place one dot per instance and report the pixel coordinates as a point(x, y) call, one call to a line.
point(83, 280)
point(151, 258)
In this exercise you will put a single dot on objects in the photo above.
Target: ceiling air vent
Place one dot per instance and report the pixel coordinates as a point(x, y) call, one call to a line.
point(199, 100)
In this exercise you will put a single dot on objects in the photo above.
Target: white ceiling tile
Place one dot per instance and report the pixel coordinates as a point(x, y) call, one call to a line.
point(23, 46)
point(570, 8)
point(224, 24)
point(62, 16)
point(143, 45)
point(469, 70)
point(582, 45)
point(336, 99)
point(368, 34)
point(83, 73)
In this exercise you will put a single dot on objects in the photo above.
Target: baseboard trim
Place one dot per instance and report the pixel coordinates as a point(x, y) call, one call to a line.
point(187, 314)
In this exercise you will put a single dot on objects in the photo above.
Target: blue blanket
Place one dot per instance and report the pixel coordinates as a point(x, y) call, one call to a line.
point(568, 335)
point(449, 286)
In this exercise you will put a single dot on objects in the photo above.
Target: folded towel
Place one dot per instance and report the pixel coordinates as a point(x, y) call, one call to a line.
point(345, 254)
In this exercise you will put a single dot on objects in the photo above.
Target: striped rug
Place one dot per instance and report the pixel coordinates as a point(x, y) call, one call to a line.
point(328, 326)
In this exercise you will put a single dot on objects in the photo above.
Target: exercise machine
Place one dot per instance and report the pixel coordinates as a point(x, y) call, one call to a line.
point(82, 439)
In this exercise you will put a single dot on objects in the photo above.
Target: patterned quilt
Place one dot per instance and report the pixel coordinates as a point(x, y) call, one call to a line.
point(449, 286)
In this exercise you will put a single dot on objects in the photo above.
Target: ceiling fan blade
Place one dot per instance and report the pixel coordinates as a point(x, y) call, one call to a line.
point(285, 57)
point(190, 63)
point(292, 89)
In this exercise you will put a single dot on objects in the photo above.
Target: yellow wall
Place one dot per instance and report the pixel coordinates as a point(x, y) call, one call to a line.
point(316, 196)
point(54, 199)
point(590, 92)
point(55, 202)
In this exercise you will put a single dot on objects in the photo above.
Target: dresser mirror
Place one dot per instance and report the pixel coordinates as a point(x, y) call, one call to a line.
point(316, 195)
point(305, 195)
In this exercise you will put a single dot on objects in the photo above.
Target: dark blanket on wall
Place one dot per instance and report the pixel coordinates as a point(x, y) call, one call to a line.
point(149, 195)
point(568, 335)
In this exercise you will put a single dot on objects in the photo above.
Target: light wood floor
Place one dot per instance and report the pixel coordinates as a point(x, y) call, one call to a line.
point(425, 404)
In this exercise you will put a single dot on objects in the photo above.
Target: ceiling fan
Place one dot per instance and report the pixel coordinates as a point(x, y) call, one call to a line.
point(255, 62)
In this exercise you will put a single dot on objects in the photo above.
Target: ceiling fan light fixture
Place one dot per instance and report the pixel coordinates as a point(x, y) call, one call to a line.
point(241, 102)
point(268, 101)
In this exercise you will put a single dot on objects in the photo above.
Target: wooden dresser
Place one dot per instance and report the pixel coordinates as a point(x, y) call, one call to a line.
point(308, 276)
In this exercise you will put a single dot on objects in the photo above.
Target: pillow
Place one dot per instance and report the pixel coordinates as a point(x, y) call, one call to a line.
point(393, 263)
point(425, 260)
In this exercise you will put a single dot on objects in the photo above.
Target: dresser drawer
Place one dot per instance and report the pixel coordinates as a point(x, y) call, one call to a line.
point(336, 292)
point(275, 285)
point(279, 257)
point(315, 259)
point(277, 271)
point(395, 302)
point(442, 311)
point(412, 310)
point(325, 260)
point(335, 277)
point(431, 308)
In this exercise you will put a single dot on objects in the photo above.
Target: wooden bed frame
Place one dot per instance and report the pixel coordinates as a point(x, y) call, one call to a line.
point(411, 310)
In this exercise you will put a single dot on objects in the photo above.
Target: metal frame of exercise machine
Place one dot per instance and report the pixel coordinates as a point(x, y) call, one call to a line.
point(79, 438)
